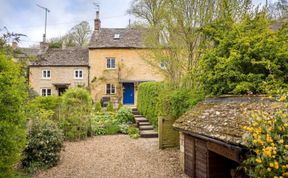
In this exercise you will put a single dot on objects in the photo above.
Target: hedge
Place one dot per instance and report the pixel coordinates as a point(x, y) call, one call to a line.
point(156, 98)
point(12, 119)
point(148, 93)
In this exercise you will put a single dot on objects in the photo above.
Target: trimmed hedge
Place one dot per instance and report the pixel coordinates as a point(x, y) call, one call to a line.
point(156, 98)
point(148, 93)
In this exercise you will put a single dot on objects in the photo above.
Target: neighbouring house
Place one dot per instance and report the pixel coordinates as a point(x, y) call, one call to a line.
point(211, 135)
point(56, 70)
point(112, 66)
point(118, 64)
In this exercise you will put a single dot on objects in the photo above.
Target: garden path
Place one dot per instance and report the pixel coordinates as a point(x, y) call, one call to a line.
point(116, 156)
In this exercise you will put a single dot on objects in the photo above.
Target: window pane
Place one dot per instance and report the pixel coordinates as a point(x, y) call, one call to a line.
point(48, 73)
point(108, 89)
point(80, 74)
point(48, 92)
point(112, 89)
point(44, 73)
point(112, 63)
point(76, 74)
point(108, 63)
point(43, 91)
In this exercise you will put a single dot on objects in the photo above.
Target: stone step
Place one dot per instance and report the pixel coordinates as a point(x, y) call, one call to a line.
point(138, 116)
point(134, 109)
point(135, 113)
point(144, 123)
point(146, 127)
point(148, 134)
point(141, 119)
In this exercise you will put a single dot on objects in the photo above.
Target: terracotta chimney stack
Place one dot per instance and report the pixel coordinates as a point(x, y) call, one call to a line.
point(97, 21)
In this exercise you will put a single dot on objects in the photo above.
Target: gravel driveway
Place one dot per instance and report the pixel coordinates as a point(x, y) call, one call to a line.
point(116, 156)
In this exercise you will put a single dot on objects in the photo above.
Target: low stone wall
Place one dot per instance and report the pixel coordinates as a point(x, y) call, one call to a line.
point(168, 136)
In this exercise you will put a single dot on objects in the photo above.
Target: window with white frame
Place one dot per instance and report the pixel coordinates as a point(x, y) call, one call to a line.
point(46, 92)
point(110, 89)
point(111, 63)
point(78, 74)
point(46, 74)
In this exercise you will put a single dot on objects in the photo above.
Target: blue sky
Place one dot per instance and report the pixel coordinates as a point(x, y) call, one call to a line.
point(23, 16)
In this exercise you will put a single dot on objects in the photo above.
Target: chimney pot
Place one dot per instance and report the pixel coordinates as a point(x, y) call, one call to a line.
point(97, 22)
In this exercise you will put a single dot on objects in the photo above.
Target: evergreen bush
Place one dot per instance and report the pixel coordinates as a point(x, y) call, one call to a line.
point(45, 142)
point(77, 110)
point(13, 92)
point(98, 107)
point(110, 107)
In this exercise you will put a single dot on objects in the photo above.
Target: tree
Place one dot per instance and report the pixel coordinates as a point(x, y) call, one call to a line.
point(247, 57)
point(80, 34)
point(175, 32)
point(278, 10)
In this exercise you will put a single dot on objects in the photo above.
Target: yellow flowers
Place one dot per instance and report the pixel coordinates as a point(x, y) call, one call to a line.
point(258, 160)
point(282, 98)
point(267, 138)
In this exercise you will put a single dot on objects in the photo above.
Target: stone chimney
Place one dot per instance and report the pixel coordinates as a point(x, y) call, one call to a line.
point(14, 45)
point(43, 47)
point(97, 21)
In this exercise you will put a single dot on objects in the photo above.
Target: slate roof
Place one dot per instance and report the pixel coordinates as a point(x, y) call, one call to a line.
point(63, 57)
point(25, 52)
point(129, 38)
point(222, 118)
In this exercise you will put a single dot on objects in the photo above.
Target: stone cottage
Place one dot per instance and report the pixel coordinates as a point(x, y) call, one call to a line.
point(118, 65)
point(58, 69)
point(211, 135)
point(112, 66)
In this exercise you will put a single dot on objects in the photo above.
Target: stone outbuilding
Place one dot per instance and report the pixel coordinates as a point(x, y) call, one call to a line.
point(211, 135)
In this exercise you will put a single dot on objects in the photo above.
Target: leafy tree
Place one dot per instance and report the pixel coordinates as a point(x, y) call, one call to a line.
point(80, 33)
point(278, 9)
point(12, 119)
point(247, 57)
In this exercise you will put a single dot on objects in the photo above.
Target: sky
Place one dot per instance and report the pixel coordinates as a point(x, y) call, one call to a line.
point(24, 16)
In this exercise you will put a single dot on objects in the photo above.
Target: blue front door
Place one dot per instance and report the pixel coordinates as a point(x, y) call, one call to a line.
point(128, 93)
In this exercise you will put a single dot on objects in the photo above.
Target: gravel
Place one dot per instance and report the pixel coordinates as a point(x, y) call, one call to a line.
point(116, 156)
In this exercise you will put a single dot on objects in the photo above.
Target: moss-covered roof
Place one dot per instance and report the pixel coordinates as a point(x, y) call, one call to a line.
point(223, 118)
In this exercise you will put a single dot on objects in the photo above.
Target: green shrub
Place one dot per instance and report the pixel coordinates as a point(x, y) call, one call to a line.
point(42, 104)
point(13, 92)
point(77, 111)
point(133, 132)
point(120, 105)
point(110, 107)
point(105, 124)
point(124, 128)
point(148, 93)
point(45, 142)
point(98, 107)
point(124, 115)
point(174, 103)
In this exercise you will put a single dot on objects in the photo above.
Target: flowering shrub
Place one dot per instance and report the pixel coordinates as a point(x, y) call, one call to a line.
point(268, 144)
point(104, 124)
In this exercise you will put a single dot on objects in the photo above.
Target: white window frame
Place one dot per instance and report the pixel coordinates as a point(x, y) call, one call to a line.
point(109, 63)
point(110, 89)
point(77, 74)
point(45, 74)
point(44, 92)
